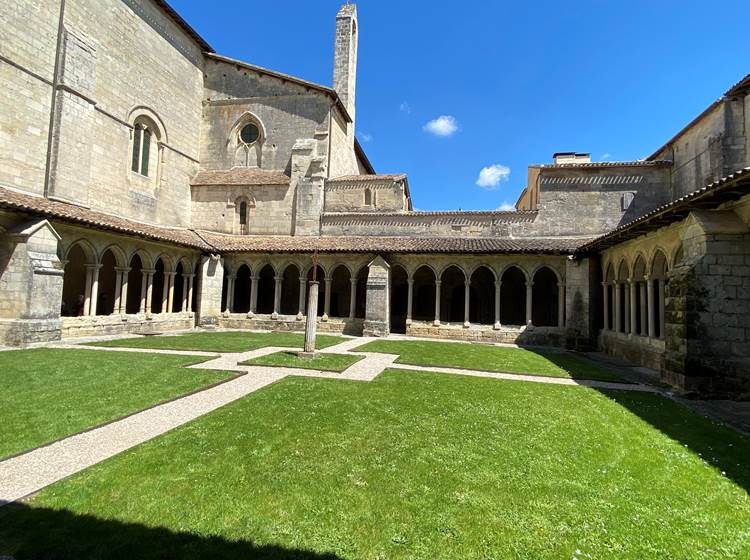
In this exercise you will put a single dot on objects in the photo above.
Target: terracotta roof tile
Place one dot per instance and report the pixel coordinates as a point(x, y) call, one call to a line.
point(367, 178)
point(595, 164)
point(77, 214)
point(240, 176)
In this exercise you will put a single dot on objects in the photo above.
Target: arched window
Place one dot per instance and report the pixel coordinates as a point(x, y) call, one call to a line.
point(142, 133)
point(247, 138)
point(368, 197)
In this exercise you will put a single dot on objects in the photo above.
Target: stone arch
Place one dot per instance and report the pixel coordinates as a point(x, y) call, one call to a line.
point(399, 298)
point(423, 296)
point(241, 301)
point(545, 297)
point(88, 249)
point(247, 154)
point(341, 289)
point(470, 271)
point(513, 296)
point(289, 301)
point(360, 301)
point(146, 113)
point(638, 278)
point(136, 285)
point(266, 289)
point(77, 259)
point(121, 259)
point(679, 255)
point(146, 142)
point(623, 270)
point(452, 294)
point(243, 207)
point(321, 276)
point(482, 295)
point(552, 269)
point(659, 264)
point(159, 285)
point(609, 296)
point(107, 284)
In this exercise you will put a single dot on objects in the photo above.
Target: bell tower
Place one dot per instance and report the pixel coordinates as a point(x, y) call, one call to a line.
point(345, 56)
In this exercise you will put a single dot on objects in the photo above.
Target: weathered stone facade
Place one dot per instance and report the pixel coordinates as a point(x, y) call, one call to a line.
point(150, 184)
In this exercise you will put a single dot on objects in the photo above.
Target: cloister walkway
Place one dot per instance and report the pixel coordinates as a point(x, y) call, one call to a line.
point(30, 472)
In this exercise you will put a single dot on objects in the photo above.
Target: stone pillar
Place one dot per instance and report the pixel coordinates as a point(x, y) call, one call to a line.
point(93, 300)
point(170, 292)
point(626, 306)
point(409, 299)
point(661, 306)
point(561, 305)
point(605, 285)
point(618, 290)
point(327, 300)
point(230, 292)
point(437, 303)
point(276, 296)
point(87, 291)
point(529, 303)
point(144, 288)
point(633, 308)
point(253, 295)
point(189, 307)
point(311, 323)
point(378, 301)
point(184, 302)
point(352, 297)
point(644, 313)
point(467, 293)
point(149, 290)
point(301, 306)
point(118, 291)
point(498, 287)
point(650, 307)
point(211, 270)
point(123, 308)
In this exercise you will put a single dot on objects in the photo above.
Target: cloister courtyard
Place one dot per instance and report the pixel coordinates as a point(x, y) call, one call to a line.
point(226, 444)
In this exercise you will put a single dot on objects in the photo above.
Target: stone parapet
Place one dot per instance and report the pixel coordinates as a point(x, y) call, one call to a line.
point(290, 323)
point(101, 325)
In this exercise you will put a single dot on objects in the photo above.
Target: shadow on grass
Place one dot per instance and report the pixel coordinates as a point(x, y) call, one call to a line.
point(30, 532)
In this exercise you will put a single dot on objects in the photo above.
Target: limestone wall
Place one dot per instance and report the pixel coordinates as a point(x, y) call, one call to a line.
point(343, 160)
point(385, 195)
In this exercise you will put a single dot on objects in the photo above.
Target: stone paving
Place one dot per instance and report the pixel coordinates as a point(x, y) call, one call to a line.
point(25, 474)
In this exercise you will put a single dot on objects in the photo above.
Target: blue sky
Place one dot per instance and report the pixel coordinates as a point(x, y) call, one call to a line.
point(519, 80)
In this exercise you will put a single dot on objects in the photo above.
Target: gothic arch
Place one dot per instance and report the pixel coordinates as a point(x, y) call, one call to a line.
point(88, 250)
point(119, 255)
point(146, 114)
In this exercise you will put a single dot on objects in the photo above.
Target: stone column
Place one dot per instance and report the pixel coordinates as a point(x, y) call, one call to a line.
point(467, 292)
point(327, 300)
point(170, 278)
point(352, 297)
point(184, 302)
point(149, 290)
point(498, 287)
point(662, 306)
point(144, 288)
point(276, 296)
point(605, 285)
point(618, 290)
point(626, 306)
point(189, 306)
point(644, 316)
point(301, 306)
point(377, 303)
point(437, 303)
point(650, 307)
point(94, 288)
point(87, 291)
point(230, 293)
point(118, 291)
point(253, 294)
point(121, 303)
point(529, 303)
point(561, 305)
point(311, 324)
point(409, 299)
point(633, 308)
point(211, 271)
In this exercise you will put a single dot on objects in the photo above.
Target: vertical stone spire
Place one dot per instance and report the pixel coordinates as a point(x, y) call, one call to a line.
point(345, 56)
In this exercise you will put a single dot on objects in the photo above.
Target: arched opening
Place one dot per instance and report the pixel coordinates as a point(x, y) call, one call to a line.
point(452, 292)
point(321, 278)
point(242, 218)
point(609, 298)
point(423, 304)
point(513, 297)
point(482, 298)
point(266, 289)
point(289, 304)
point(145, 147)
point(368, 197)
point(74, 283)
point(179, 288)
point(360, 308)
point(544, 298)
point(623, 297)
point(241, 301)
point(659, 275)
point(105, 301)
point(399, 299)
point(157, 288)
point(341, 289)
point(135, 286)
point(640, 326)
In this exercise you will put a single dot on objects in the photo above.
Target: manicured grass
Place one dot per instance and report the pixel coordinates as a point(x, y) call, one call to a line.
point(46, 394)
point(321, 362)
point(411, 465)
point(489, 358)
point(229, 341)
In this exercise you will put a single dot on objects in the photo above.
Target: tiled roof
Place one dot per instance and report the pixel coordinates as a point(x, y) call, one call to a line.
point(500, 215)
point(726, 189)
point(595, 164)
point(367, 178)
point(63, 211)
point(240, 176)
point(373, 244)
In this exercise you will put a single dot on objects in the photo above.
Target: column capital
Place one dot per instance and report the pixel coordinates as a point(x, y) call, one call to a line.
point(498, 283)
point(93, 266)
point(170, 274)
point(438, 282)
point(647, 277)
point(148, 270)
point(188, 276)
point(529, 283)
point(122, 269)
point(467, 283)
point(410, 281)
point(278, 278)
point(230, 276)
point(253, 277)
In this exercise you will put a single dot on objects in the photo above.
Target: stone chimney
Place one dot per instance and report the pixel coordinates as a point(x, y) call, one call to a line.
point(345, 56)
point(561, 158)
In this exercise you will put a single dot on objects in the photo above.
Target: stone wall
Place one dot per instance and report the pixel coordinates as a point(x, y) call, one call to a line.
point(72, 327)
point(523, 336)
point(285, 323)
point(386, 195)
point(343, 160)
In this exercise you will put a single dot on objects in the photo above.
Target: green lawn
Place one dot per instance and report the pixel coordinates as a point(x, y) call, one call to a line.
point(227, 341)
point(489, 358)
point(321, 362)
point(46, 394)
point(411, 465)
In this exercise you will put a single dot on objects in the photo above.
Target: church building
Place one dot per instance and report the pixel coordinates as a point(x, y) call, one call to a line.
point(149, 184)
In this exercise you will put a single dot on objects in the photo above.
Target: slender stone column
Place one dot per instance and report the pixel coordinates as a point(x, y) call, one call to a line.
point(644, 316)
point(87, 291)
point(529, 303)
point(144, 288)
point(352, 297)
point(605, 285)
point(633, 308)
point(311, 323)
point(618, 290)
point(327, 300)
point(184, 302)
point(190, 278)
point(561, 305)
point(94, 288)
point(650, 307)
point(170, 278)
point(149, 290)
point(409, 299)
point(498, 287)
point(626, 306)
point(662, 302)
point(437, 303)
point(121, 304)
point(230, 292)
point(301, 306)
point(467, 293)
point(253, 294)
point(118, 291)
point(276, 296)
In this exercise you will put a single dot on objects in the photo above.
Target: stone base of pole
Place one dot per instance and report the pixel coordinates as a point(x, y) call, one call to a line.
point(308, 355)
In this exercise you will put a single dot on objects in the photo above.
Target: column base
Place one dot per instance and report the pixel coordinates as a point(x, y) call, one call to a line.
point(497, 326)
point(225, 313)
point(408, 321)
point(324, 318)
point(467, 324)
point(274, 316)
point(250, 315)
point(299, 316)
point(436, 322)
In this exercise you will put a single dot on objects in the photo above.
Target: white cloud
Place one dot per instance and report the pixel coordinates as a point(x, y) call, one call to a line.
point(405, 108)
point(365, 137)
point(490, 177)
point(606, 156)
point(506, 207)
point(444, 125)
